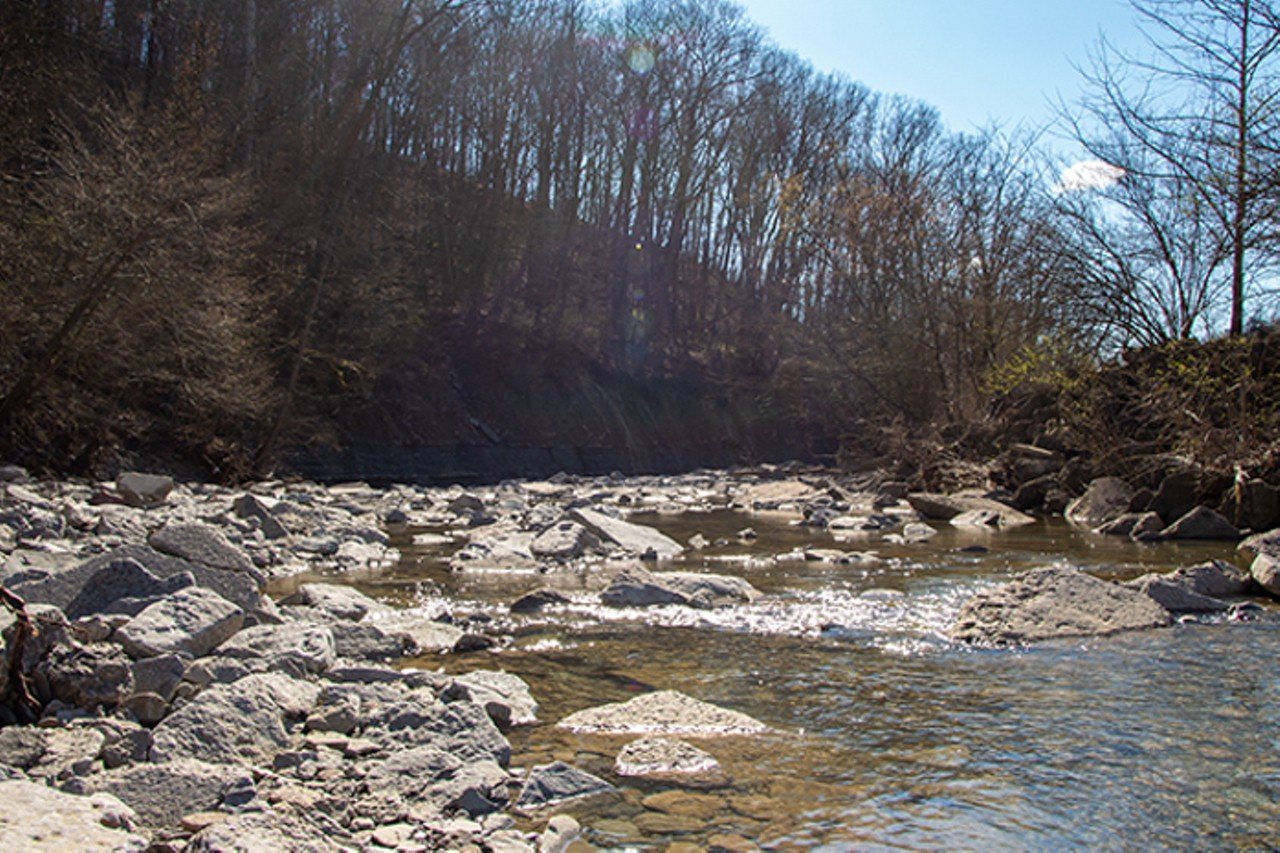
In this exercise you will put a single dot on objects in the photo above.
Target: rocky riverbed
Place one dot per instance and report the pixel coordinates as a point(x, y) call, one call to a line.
point(156, 695)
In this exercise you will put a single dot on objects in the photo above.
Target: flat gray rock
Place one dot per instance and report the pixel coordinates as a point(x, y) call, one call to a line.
point(633, 538)
point(202, 544)
point(292, 647)
point(662, 712)
point(1175, 597)
point(562, 541)
point(1049, 603)
point(242, 722)
point(426, 636)
point(190, 622)
point(49, 753)
point(38, 819)
point(548, 784)
point(262, 832)
point(461, 728)
point(161, 794)
point(124, 578)
point(638, 587)
point(339, 602)
point(496, 550)
point(505, 697)
point(994, 519)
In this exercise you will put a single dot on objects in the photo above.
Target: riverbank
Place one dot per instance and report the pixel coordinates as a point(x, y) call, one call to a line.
point(160, 674)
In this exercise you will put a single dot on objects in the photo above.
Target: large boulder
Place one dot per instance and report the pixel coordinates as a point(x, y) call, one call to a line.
point(294, 647)
point(337, 602)
point(123, 586)
point(1254, 504)
point(1216, 579)
point(461, 728)
point(143, 490)
point(242, 722)
point(190, 622)
point(1176, 496)
point(1201, 523)
point(162, 793)
point(1175, 597)
point(1107, 498)
point(240, 588)
point(1054, 602)
point(562, 541)
point(636, 587)
point(201, 544)
point(1266, 572)
point(633, 538)
point(505, 697)
point(662, 712)
point(1267, 542)
point(936, 507)
point(38, 819)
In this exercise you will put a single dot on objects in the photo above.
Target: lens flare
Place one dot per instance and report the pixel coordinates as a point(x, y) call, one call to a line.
point(640, 59)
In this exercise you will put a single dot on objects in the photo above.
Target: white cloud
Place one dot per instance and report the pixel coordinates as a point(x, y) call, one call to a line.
point(1088, 175)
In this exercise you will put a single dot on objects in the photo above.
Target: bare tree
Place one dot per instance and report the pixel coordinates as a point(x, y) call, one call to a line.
point(1198, 114)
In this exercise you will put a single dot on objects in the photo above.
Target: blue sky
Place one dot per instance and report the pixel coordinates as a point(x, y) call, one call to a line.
point(975, 60)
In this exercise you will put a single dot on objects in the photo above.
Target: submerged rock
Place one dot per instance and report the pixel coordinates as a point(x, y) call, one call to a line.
point(532, 602)
point(1049, 603)
point(666, 758)
point(663, 712)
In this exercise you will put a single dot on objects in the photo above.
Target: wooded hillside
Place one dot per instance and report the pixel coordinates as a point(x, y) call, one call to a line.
point(232, 230)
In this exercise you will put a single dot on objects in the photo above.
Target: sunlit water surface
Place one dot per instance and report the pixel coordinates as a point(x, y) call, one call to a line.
point(889, 737)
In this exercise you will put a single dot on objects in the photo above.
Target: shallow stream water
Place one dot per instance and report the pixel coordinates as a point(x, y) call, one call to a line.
point(888, 736)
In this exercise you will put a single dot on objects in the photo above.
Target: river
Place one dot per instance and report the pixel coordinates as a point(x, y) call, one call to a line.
point(888, 736)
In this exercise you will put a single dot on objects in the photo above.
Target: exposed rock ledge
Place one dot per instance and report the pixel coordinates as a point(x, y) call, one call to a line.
point(1049, 603)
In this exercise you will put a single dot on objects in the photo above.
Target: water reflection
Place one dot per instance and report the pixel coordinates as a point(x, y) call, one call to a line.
point(890, 737)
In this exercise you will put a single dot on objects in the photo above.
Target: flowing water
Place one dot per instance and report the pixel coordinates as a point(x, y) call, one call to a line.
point(888, 736)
